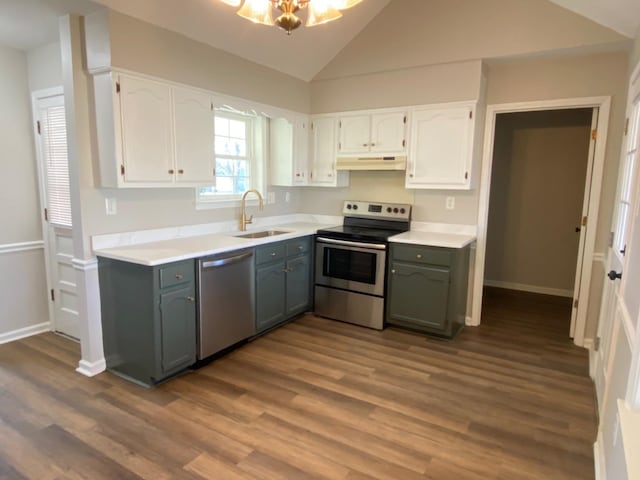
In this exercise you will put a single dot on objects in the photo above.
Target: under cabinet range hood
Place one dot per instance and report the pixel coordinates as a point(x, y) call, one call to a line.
point(376, 163)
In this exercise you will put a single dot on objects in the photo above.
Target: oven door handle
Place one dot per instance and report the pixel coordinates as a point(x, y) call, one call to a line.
point(373, 246)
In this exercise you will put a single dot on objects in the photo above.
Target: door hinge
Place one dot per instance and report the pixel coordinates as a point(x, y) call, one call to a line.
point(214, 172)
point(575, 303)
point(626, 127)
point(46, 215)
point(470, 114)
point(53, 295)
point(117, 87)
point(404, 143)
point(212, 106)
point(596, 344)
point(584, 221)
point(38, 127)
point(340, 124)
point(404, 120)
point(594, 134)
point(611, 237)
point(121, 169)
point(311, 125)
point(466, 175)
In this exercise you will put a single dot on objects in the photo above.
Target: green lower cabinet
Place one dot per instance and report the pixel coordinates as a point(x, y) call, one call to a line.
point(148, 318)
point(427, 288)
point(283, 281)
point(270, 295)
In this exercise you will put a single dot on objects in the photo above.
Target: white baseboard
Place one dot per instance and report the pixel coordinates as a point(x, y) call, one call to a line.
point(598, 459)
point(25, 332)
point(89, 369)
point(558, 292)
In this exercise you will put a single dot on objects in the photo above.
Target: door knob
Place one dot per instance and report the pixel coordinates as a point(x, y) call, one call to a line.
point(613, 275)
point(578, 229)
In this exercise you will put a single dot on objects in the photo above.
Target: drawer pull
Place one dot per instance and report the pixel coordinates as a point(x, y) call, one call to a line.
point(419, 255)
point(273, 254)
point(300, 247)
point(393, 271)
point(179, 276)
point(191, 299)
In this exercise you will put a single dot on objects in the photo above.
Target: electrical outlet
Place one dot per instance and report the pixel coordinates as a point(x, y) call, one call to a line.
point(271, 197)
point(110, 206)
point(287, 197)
point(450, 203)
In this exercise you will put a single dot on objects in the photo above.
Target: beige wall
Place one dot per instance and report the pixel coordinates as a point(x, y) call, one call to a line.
point(634, 56)
point(410, 33)
point(23, 289)
point(19, 179)
point(45, 67)
point(538, 176)
point(561, 77)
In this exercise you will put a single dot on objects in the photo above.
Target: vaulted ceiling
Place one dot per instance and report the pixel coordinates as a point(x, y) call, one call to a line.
point(25, 24)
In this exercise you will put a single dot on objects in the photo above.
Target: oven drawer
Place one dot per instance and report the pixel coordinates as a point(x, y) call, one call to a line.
point(421, 254)
point(270, 253)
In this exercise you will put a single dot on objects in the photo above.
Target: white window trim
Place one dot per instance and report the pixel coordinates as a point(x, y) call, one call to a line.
point(258, 140)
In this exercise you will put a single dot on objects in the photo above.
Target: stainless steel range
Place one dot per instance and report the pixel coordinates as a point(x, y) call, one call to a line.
point(351, 262)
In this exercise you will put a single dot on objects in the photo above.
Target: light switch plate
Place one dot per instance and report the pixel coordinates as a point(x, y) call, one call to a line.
point(111, 206)
point(450, 203)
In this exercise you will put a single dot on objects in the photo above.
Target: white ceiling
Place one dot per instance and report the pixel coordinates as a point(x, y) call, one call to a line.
point(25, 24)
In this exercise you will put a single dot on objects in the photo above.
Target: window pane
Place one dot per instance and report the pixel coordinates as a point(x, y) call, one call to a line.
point(222, 146)
point(222, 126)
point(238, 129)
point(224, 185)
point(239, 148)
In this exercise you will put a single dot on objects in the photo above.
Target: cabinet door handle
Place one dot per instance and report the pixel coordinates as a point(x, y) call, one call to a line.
point(300, 247)
point(419, 255)
point(393, 271)
point(180, 171)
point(372, 144)
point(191, 299)
point(179, 276)
point(171, 171)
point(365, 144)
point(411, 175)
point(273, 254)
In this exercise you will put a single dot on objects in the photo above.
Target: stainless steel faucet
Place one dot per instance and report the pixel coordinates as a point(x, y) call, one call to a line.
point(243, 219)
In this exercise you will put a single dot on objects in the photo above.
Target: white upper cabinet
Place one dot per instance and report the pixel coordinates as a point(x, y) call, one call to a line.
point(152, 133)
point(441, 154)
point(323, 153)
point(146, 130)
point(372, 134)
point(194, 136)
point(289, 150)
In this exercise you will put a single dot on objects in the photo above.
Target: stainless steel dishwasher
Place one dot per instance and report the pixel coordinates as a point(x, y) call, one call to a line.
point(226, 301)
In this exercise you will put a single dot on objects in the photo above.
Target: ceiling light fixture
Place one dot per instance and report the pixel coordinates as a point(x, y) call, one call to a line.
point(319, 11)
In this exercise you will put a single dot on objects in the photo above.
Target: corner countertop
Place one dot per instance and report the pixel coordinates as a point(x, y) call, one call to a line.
point(175, 249)
point(437, 235)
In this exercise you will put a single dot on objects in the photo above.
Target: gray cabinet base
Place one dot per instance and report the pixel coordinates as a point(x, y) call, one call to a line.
point(356, 308)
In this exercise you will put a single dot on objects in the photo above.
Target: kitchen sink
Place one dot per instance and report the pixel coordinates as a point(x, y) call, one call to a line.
point(263, 234)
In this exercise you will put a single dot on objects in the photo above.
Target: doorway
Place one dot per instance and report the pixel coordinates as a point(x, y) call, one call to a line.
point(600, 107)
point(53, 172)
point(535, 236)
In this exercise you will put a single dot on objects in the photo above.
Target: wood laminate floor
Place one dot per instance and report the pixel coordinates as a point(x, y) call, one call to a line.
point(510, 400)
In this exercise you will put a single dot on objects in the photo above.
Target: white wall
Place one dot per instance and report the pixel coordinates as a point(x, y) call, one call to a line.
point(22, 288)
point(45, 67)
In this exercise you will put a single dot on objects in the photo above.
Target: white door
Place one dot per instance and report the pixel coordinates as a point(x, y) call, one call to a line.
point(194, 130)
point(388, 133)
point(441, 147)
point(323, 163)
point(147, 130)
point(583, 225)
point(355, 134)
point(51, 143)
point(620, 295)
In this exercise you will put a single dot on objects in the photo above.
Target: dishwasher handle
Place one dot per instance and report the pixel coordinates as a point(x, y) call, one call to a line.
point(226, 261)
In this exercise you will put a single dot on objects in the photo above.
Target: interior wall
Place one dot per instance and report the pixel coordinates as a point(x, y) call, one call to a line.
point(141, 47)
point(537, 189)
point(22, 294)
point(45, 67)
point(411, 33)
point(634, 56)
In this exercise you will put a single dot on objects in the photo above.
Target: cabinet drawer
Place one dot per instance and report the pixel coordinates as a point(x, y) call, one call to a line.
point(176, 274)
point(421, 254)
point(270, 253)
point(298, 246)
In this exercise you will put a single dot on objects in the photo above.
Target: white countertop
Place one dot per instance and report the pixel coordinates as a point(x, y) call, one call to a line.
point(175, 249)
point(156, 247)
point(434, 239)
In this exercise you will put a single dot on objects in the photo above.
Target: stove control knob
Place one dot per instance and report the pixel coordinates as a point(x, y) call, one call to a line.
point(349, 206)
point(355, 207)
point(395, 210)
point(389, 209)
point(402, 211)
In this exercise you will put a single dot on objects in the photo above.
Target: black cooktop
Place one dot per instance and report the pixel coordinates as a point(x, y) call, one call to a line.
point(370, 234)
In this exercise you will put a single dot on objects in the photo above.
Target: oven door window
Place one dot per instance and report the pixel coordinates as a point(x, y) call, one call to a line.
point(351, 265)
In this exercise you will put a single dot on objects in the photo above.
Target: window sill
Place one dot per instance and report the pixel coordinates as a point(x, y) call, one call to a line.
point(227, 203)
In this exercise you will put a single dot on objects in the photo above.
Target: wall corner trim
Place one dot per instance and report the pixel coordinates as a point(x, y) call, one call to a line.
point(91, 369)
point(84, 265)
